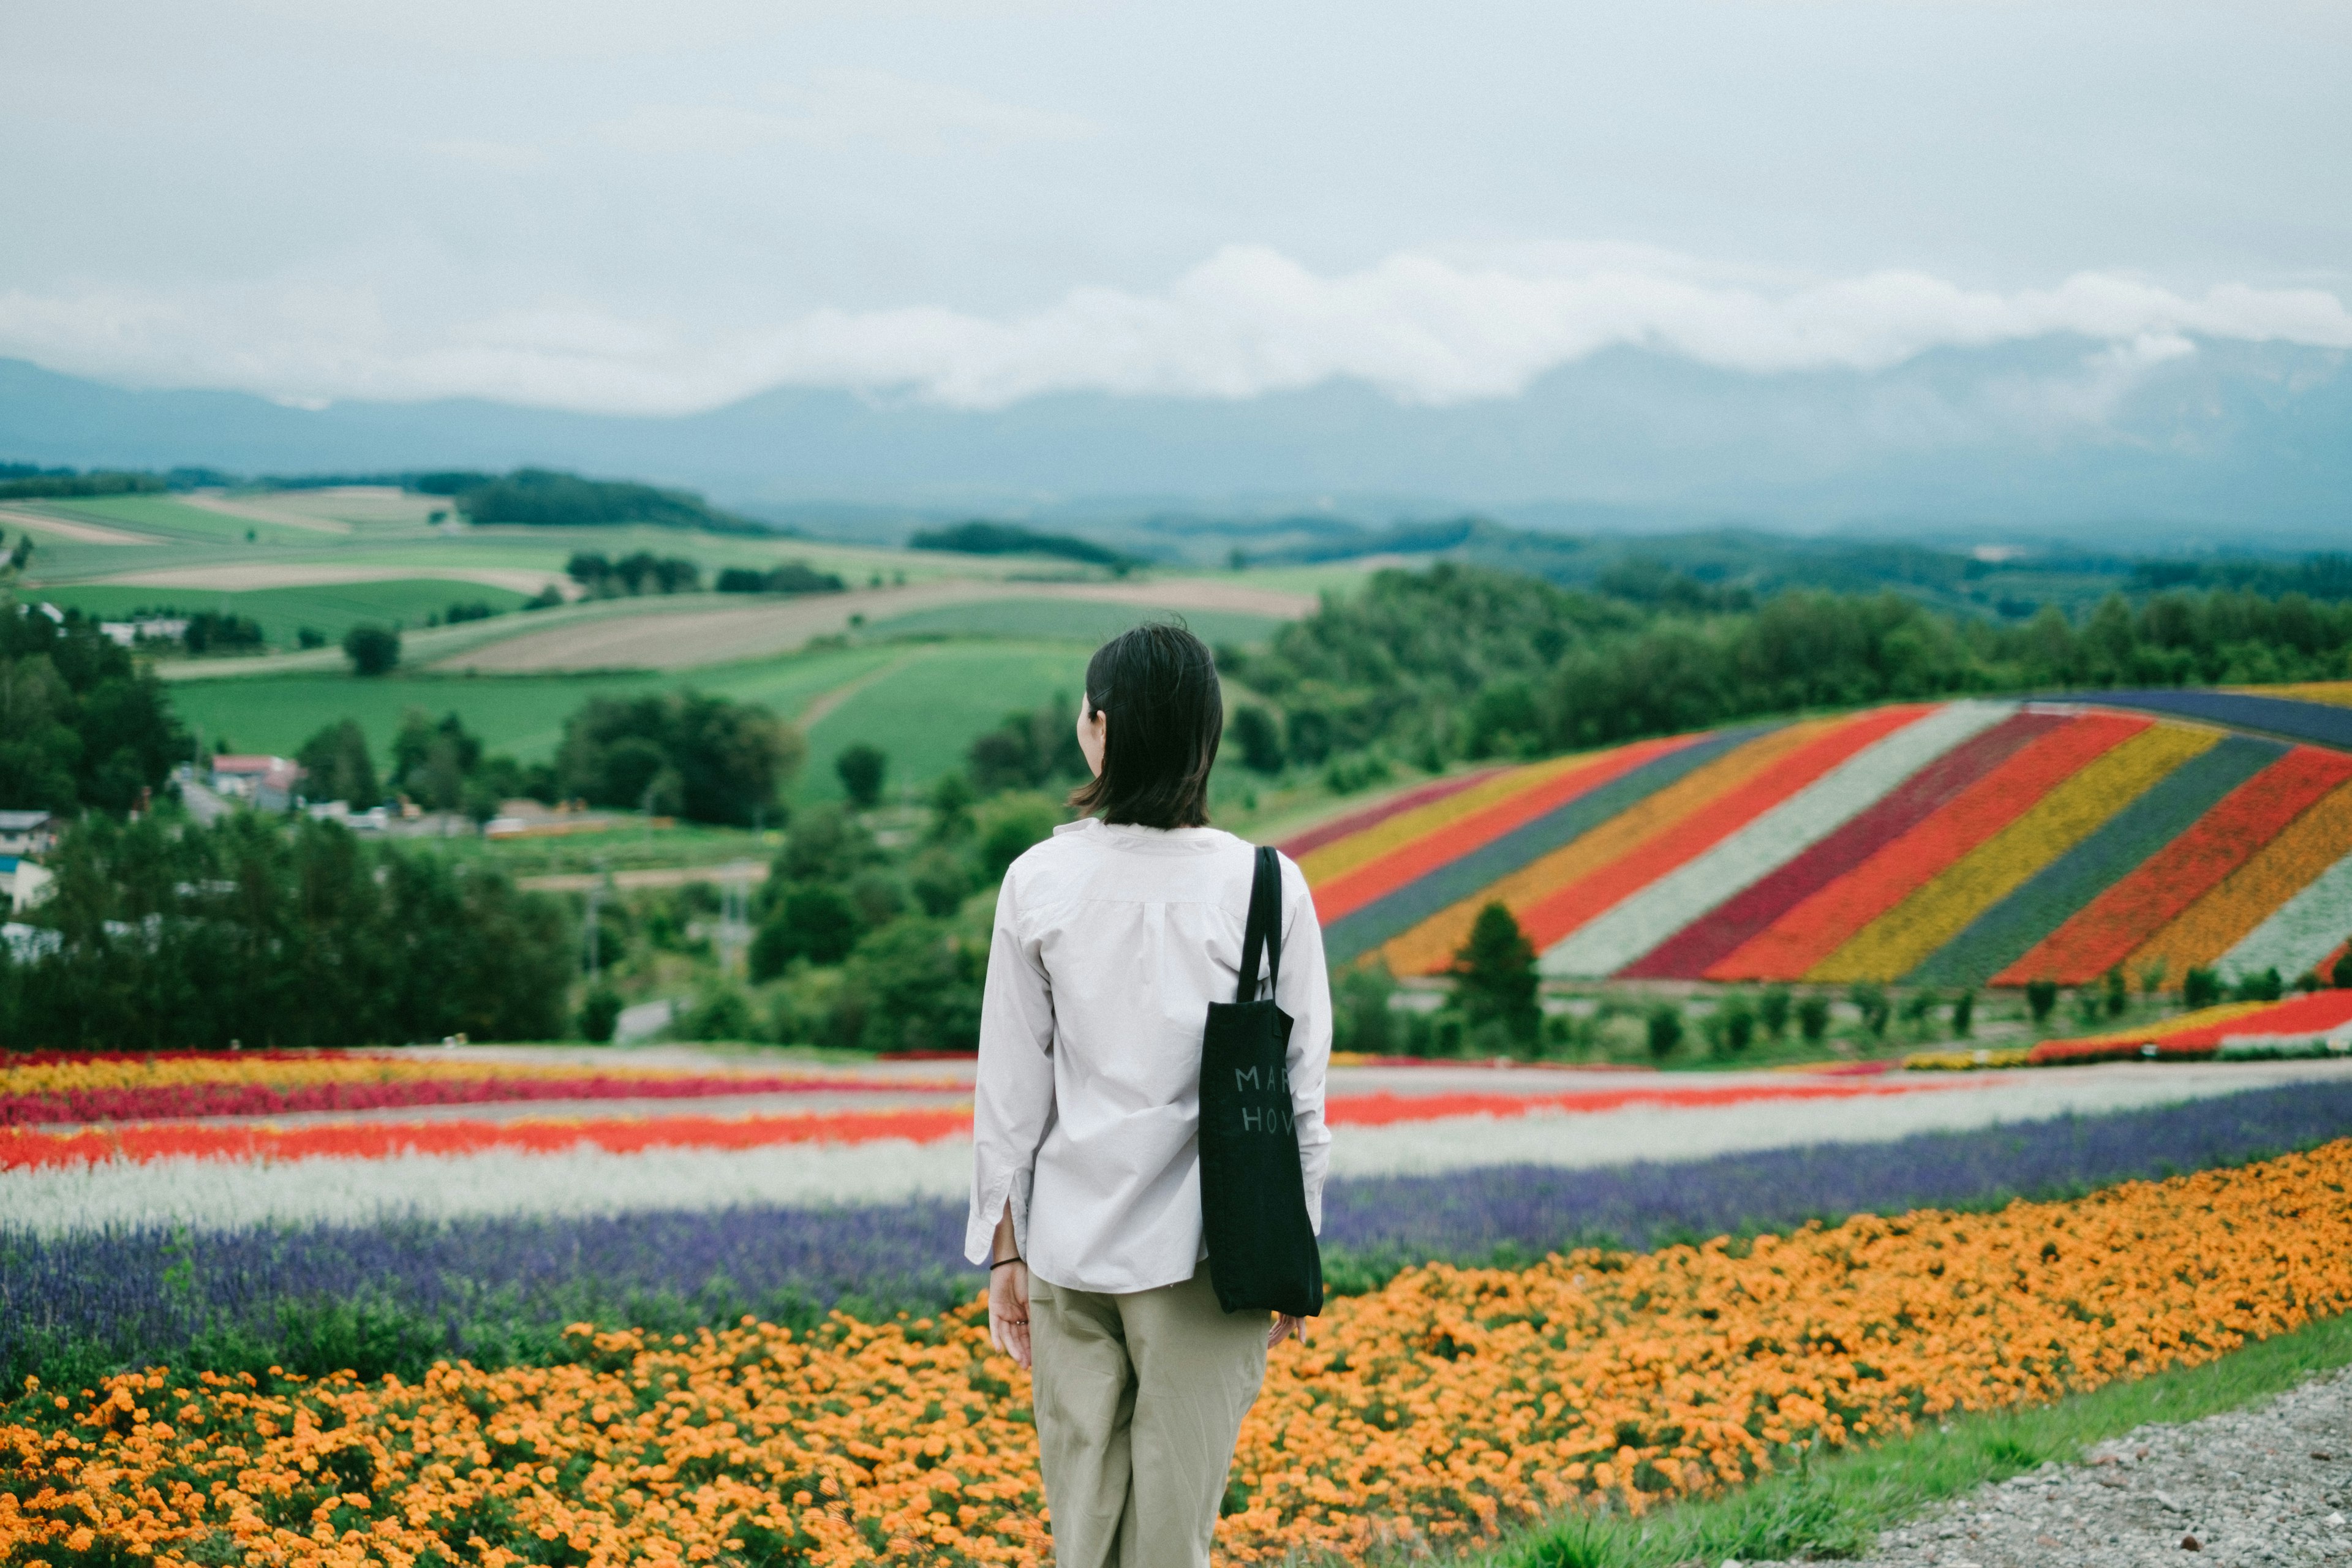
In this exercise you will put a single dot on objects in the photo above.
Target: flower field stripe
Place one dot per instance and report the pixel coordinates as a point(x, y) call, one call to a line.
point(1543, 897)
point(2320, 723)
point(1700, 949)
point(1410, 847)
point(2104, 933)
point(1384, 1109)
point(2006, 931)
point(2200, 1033)
point(1900, 940)
point(2287, 908)
point(2335, 693)
point(1905, 740)
point(1825, 920)
point(1300, 845)
point(1441, 1411)
point(219, 1195)
point(66, 1073)
point(378, 1139)
point(160, 1101)
point(1431, 915)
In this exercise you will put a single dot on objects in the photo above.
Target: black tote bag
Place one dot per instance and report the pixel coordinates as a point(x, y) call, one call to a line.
point(1261, 1251)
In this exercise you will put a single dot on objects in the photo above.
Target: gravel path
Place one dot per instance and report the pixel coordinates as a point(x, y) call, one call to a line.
point(2272, 1484)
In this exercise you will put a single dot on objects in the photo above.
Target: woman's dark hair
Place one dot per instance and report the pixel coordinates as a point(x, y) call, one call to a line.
point(1157, 685)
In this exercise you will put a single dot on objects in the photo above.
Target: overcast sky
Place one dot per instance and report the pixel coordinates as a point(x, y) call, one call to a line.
point(633, 206)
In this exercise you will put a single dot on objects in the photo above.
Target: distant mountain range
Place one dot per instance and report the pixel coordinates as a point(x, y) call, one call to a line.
point(2235, 446)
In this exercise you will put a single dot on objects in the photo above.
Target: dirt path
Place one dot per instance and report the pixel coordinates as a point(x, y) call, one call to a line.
point(808, 717)
point(646, 877)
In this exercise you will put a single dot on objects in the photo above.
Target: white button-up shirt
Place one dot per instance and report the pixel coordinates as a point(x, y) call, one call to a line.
point(1110, 944)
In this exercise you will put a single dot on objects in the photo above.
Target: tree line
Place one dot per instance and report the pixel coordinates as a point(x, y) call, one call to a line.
point(160, 935)
point(1463, 661)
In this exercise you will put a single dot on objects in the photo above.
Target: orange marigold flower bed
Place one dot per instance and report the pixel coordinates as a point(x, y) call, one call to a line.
point(1443, 1408)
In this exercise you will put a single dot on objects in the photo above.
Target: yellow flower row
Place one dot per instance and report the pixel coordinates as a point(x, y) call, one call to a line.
point(2276, 872)
point(282, 1069)
point(1903, 937)
point(1436, 1412)
point(1966, 1061)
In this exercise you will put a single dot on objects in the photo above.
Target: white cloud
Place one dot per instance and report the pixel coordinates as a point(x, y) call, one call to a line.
point(1247, 321)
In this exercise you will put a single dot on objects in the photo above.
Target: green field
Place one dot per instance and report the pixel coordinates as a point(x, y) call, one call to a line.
point(177, 519)
point(521, 715)
point(929, 706)
point(1066, 620)
point(281, 612)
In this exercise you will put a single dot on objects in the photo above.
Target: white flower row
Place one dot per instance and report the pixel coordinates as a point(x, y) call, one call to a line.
point(2300, 931)
point(220, 1195)
point(1612, 940)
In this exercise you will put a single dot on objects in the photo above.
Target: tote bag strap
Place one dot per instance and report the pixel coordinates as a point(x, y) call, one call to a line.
point(1264, 931)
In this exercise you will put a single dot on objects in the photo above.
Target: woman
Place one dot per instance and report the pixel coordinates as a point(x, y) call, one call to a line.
point(1112, 938)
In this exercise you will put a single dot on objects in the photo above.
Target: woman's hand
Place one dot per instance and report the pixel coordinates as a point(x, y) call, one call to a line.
point(1286, 1327)
point(1008, 1312)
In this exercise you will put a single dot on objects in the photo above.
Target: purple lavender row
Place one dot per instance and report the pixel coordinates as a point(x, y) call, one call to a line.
point(499, 1289)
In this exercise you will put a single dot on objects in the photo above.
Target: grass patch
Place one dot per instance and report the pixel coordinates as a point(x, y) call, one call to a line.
point(1835, 1505)
point(925, 712)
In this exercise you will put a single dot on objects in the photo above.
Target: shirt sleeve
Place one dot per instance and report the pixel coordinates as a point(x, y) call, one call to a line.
point(1012, 1100)
point(1305, 993)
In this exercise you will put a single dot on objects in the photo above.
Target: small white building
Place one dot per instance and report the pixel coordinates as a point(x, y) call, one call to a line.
point(31, 834)
point(265, 782)
point(23, 883)
point(150, 628)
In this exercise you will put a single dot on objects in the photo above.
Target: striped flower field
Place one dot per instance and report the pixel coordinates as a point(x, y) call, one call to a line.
point(1956, 843)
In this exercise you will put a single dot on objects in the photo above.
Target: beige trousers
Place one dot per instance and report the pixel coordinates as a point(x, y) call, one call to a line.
point(1139, 1399)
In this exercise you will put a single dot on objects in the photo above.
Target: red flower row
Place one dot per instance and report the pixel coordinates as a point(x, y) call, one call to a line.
point(172, 1101)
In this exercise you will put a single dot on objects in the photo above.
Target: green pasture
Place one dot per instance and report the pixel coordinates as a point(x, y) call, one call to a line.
point(178, 520)
point(1066, 620)
point(330, 610)
point(925, 709)
point(521, 715)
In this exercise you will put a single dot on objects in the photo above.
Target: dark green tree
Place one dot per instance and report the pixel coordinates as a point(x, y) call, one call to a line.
point(1495, 978)
point(2041, 997)
point(862, 769)
point(1258, 738)
point(704, 758)
point(373, 651)
point(336, 766)
point(80, 725)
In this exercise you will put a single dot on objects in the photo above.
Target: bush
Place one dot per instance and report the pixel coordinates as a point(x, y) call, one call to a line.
point(862, 769)
point(1361, 1017)
point(2340, 976)
point(1870, 1000)
point(1773, 1011)
point(2201, 987)
point(373, 651)
point(1252, 731)
point(721, 1015)
point(2042, 997)
point(1734, 1022)
point(1814, 1019)
point(2264, 988)
point(813, 921)
point(915, 984)
point(1664, 1029)
point(2117, 995)
point(1008, 825)
point(1964, 1014)
point(600, 1015)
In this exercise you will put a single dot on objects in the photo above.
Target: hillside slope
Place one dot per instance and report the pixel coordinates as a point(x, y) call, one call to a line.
point(1950, 843)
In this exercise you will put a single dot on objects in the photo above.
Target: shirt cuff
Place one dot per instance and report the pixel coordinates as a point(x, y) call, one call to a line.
point(988, 1204)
